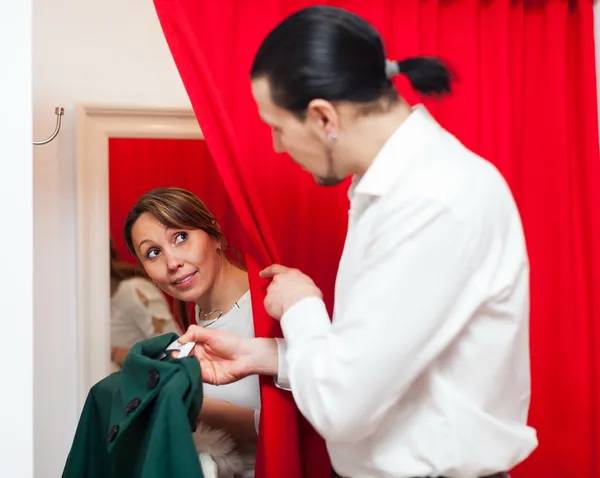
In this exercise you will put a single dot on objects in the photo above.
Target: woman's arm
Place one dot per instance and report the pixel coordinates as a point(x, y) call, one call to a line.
point(236, 421)
point(118, 354)
point(158, 324)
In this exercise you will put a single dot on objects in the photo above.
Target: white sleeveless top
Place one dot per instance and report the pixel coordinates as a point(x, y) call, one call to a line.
point(245, 392)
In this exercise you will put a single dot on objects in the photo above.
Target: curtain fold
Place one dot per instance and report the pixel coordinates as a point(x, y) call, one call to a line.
point(525, 100)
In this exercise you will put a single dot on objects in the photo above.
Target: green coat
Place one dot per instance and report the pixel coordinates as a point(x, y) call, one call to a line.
point(138, 423)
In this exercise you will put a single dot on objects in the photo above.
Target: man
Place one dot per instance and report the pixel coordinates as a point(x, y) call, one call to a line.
point(424, 369)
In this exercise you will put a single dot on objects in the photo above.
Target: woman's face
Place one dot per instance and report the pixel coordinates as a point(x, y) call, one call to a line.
point(184, 263)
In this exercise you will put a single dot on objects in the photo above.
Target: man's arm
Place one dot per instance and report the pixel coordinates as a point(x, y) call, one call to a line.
point(398, 316)
point(226, 357)
point(268, 358)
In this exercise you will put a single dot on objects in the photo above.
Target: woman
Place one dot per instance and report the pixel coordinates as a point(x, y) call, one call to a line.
point(138, 309)
point(182, 249)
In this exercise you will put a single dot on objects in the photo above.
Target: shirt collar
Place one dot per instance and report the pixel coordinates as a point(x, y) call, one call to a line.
point(397, 153)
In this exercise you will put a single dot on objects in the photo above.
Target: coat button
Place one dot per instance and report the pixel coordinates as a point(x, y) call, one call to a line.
point(153, 378)
point(113, 433)
point(131, 406)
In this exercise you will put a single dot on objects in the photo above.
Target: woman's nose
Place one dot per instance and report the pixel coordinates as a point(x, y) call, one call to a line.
point(173, 262)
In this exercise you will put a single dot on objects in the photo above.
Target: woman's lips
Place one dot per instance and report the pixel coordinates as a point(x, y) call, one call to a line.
point(185, 281)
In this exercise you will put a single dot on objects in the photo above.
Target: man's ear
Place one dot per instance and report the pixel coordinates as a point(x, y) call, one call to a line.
point(324, 117)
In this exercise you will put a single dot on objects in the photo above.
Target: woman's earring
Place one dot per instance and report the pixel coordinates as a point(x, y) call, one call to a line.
point(333, 136)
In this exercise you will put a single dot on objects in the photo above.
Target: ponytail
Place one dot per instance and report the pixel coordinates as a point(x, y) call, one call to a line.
point(428, 75)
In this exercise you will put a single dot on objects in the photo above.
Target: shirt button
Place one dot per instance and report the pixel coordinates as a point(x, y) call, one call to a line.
point(113, 433)
point(131, 406)
point(153, 378)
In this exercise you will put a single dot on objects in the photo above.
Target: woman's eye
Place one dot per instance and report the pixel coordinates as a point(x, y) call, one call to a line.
point(152, 253)
point(180, 237)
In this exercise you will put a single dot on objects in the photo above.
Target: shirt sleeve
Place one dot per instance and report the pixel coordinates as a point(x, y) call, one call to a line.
point(282, 380)
point(257, 420)
point(398, 315)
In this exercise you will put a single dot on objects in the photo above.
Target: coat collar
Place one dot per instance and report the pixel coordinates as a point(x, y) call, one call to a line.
point(144, 377)
point(397, 153)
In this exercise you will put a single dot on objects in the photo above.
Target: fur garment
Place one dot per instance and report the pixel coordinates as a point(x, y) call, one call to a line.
point(217, 453)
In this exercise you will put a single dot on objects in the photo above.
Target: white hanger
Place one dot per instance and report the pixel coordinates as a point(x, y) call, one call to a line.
point(183, 349)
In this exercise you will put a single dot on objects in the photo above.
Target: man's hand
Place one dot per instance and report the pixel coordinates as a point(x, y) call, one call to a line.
point(226, 357)
point(288, 287)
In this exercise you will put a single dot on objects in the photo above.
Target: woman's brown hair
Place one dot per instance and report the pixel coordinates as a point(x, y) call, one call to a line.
point(176, 208)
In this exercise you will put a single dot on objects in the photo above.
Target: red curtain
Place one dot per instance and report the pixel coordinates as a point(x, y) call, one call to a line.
point(526, 100)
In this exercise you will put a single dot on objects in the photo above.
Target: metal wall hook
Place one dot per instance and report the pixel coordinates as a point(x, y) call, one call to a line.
point(58, 111)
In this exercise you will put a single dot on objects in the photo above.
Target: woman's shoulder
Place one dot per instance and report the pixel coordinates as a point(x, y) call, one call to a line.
point(241, 319)
point(245, 301)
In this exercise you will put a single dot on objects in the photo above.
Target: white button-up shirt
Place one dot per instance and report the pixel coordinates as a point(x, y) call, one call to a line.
point(424, 369)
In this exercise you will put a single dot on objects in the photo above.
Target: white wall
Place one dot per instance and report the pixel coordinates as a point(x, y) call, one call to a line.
point(99, 51)
point(16, 242)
